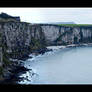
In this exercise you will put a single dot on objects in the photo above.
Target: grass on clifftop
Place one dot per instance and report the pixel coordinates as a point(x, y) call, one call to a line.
point(74, 25)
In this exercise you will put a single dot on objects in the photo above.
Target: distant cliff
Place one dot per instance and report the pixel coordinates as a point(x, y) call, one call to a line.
point(59, 23)
point(62, 35)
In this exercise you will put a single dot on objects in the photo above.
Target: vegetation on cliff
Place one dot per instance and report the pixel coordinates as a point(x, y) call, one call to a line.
point(1, 71)
point(75, 25)
point(36, 44)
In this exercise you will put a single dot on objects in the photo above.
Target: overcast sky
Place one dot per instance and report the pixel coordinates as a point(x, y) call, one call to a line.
point(39, 15)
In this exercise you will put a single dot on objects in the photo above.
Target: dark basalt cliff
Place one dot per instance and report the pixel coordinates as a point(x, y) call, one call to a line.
point(18, 39)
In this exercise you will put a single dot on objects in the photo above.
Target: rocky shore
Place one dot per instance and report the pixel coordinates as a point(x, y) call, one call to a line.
point(55, 48)
point(11, 74)
point(16, 68)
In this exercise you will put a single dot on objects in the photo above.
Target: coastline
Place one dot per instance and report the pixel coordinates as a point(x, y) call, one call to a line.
point(54, 48)
point(13, 71)
point(17, 67)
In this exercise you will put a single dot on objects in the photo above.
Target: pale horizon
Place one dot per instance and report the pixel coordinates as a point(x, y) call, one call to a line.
point(46, 15)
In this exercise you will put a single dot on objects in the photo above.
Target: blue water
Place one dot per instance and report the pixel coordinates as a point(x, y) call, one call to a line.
point(63, 66)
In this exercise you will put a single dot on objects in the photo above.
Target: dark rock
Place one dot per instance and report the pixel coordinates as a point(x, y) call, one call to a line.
point(41, 50)
point(11, 75)
point(6, 16)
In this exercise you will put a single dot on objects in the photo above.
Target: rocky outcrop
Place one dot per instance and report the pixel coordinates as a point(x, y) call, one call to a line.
point(5, 17)
point(22, 38)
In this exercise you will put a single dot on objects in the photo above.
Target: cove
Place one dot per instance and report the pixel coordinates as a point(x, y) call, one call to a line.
point(61, 66)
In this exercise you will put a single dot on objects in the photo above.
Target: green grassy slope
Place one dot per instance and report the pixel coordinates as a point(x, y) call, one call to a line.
point(74, 25)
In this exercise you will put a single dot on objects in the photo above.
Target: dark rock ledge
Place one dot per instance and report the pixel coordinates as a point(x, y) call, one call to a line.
point(11, 75)
point(16, 68)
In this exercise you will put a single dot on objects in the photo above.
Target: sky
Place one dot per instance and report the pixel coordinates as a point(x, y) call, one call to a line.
point(40, 15)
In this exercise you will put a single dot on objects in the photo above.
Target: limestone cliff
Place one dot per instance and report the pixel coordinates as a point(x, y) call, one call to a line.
point(60, 35)
point(21, 38)
point(18, 39)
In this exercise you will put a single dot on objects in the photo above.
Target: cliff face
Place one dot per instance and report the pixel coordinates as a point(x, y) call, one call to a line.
point(60, 35)
point(18, 39)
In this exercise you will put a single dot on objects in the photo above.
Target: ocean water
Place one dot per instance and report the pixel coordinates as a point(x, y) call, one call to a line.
point(61, 66)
